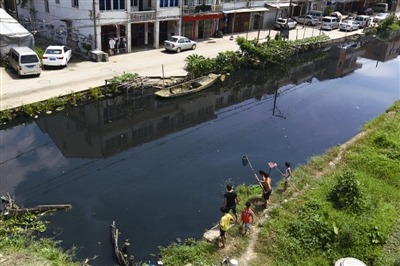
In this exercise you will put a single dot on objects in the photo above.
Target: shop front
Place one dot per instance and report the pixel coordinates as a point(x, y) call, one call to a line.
point(200, 26)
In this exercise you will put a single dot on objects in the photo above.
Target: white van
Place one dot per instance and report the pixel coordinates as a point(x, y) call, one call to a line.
point(25, 61)
point(316, 14)
point(363, 20)
point(329, 23)
point(380, 7)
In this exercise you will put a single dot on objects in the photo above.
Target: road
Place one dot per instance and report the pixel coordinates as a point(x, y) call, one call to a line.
point(79, 76)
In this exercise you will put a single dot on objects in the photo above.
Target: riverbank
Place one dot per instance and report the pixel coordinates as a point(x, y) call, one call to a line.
point(347, 207)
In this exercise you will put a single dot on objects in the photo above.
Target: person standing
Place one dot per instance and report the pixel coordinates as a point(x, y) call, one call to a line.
point(247, 215)
point(230, 200)
point(224, 225)
point(267, 188)
point(287, 175)
point(111, 42)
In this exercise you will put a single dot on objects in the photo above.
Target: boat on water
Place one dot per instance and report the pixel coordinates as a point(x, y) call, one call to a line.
point(188, 87)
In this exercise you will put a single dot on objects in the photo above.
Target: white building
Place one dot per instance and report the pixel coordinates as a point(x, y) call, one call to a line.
point(87, 25)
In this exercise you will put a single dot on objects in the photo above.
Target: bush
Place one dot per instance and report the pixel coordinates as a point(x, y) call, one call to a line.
point(348, 193)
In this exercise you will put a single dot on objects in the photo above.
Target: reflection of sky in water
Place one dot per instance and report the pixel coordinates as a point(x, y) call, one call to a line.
point(172, 187)
point(25, 150)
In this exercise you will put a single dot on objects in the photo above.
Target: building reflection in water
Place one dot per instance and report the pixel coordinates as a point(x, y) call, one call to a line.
point(109, 126)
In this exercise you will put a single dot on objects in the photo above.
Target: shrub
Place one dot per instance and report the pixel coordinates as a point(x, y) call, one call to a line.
point(348, 193)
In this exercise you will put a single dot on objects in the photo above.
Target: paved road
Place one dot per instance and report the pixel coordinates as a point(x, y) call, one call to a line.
point(79, 76)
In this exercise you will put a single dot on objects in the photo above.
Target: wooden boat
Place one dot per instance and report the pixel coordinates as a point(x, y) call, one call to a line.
point(188, 87)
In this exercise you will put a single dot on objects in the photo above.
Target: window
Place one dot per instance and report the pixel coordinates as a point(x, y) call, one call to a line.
point(75, 3)
point(46, 6)
point(57, 1)
point(112, 4)
point(169, 3)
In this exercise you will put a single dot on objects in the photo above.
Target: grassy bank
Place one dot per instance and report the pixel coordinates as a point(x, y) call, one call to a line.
point(20, 244)
point(348, 206)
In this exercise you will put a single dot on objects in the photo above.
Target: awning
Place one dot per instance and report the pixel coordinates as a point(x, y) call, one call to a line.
point(242, 10)
point(279, 5)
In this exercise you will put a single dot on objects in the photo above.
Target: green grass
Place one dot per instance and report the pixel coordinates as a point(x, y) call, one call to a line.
point(19, 246)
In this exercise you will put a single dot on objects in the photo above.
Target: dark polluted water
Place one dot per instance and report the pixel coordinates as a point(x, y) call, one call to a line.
point(158, 167)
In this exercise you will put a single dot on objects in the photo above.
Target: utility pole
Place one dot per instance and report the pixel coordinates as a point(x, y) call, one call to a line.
point(95, 24)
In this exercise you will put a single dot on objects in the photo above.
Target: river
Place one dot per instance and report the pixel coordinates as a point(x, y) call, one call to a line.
point(158, 167)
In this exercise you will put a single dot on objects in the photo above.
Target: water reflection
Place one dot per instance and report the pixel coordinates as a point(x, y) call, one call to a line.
point(156, 166)
point(110, 126)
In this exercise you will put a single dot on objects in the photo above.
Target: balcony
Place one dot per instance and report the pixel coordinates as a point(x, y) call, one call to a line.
point(201, 9)
point(142, 16)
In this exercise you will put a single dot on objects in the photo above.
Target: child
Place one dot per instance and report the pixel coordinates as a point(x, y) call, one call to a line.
point(287, 175)
point(266, 183)
point(246, 214)
point(224, 225)
point(231, 200)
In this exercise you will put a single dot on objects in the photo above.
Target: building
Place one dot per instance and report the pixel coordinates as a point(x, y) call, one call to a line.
point(88, 25)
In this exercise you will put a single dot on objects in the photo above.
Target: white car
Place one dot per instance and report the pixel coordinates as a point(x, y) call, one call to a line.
point(280, 22)
point(380, 17)
point(349, 25)
point(307, 19)
point(179, 43)
point(56, 56)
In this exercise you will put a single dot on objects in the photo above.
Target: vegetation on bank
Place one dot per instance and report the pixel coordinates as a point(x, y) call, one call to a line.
point(346, 210)
point(253, 54)
point(20, 245)
point(61, 102)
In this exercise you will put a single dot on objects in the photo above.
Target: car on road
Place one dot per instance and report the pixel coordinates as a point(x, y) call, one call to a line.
point(56, 55)
point(365, 21)
point(380, 17)
point(349, 25)
point(179, 43)
point(365, 11)
point(307, 19)
point(329, 23)
point(280, 22)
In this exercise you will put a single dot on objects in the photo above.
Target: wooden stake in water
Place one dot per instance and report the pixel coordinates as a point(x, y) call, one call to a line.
point(163, 76)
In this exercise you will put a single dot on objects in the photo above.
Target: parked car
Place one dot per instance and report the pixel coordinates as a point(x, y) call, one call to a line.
point(56, 56)
point(280, 22)
point(380, 17)
point(364, 20)
point(365, 11)
point(380, 7)
point(179, 43)
point(307, 19)
point(24, 60)
point(329, 23)
point(349, 25)
point(316, 14)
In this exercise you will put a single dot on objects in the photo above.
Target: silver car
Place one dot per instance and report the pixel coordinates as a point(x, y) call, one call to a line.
point(179, 43)
point(380, 17)
point(349, 25)
point(307, 19)
point(280, 22)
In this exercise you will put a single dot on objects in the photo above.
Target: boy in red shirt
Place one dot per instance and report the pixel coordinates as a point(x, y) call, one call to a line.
point(246, 214)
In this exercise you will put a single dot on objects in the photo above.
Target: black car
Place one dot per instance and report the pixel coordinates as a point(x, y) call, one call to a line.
point(366, 11)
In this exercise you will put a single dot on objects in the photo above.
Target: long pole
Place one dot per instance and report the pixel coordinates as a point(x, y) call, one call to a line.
point(163, 76)
point(95, 24)
point(287, 181)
